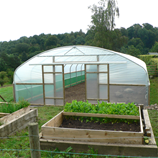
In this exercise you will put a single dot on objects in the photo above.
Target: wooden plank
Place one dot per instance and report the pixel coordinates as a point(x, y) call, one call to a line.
point(3, 114)
point(141, 125)
point(87, 135)
point(3, 98)
point(14, 115)
point(102, 148)
point(44, 101)
point(3, 102)
point(19, 123)
point(85, 81)
point(29, 83)
point(97, 99)
point(108, 83)
point(63, 85)
point(148, 125)
point(101, 115)
point(127, 85)
point(55, 121)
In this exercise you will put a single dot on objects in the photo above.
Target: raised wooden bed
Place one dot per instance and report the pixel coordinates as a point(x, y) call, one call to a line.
point(17, 121)
point(120, 143)
point(52, 130)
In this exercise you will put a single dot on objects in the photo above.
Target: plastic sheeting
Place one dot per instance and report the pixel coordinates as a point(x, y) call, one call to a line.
point(127, 74)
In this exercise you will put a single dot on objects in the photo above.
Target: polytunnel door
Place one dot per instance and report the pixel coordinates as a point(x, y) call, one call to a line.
point(97, 82)
point(53, 84)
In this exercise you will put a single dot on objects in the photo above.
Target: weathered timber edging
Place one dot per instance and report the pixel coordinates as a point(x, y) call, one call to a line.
point(51, 138)
point(51, 130)
point(17, 121)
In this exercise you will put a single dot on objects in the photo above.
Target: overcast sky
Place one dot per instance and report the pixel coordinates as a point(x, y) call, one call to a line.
point(32, 17)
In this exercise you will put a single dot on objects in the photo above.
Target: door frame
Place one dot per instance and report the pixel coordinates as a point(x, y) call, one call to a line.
point(98, 84)
point(53, 83)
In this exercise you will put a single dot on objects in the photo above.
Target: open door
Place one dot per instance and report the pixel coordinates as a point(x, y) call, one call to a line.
point(97, 82)
point(53, 84)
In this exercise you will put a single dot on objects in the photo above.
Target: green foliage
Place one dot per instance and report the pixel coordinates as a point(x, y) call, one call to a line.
point(154, 90)
point(22, 47)
point(102, 108)
point(3, 78)
point(103, 21)
point(154, 47)
point(153, 114)
point(146, 59)
point(131, 50)
point(7, 93)
point(52, 41)
point(12, 107)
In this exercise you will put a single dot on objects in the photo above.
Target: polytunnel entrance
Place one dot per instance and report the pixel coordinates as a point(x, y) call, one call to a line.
point(53, 84)
point(74, 83)
point(97, 82)
point(88, 81)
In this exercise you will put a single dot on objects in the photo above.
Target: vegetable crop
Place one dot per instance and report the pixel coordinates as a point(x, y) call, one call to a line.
point(103, 108)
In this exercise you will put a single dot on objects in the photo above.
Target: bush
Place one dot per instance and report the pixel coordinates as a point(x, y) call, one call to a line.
point(12, 107)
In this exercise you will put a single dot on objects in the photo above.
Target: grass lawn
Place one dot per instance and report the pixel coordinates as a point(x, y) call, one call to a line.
point(153, 114)
point(7, 93)
point(154, 90)
point(20, 140)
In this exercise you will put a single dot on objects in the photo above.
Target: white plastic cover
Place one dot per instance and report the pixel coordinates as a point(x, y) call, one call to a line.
point(123, 69)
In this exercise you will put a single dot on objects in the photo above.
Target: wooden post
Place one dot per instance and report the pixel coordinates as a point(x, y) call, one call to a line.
point(34, 140)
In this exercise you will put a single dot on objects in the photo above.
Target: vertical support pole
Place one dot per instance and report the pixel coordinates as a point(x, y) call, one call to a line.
point(14, 92)
point(54, 80)
point(63, 84)
point(85, 82)
point(70, 74)
point(148, 95)
point(108, 83)
point(34, 140)
point(98, 78)
point(43, 85)
point(76, 73)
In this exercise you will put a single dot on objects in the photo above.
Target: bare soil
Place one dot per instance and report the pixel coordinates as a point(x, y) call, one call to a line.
point(70, 123)
point(76, 92)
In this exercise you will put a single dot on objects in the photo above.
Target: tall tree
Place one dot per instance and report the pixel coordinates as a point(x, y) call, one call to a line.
point(103, 20)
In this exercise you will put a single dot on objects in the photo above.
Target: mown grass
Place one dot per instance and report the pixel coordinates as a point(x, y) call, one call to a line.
point(154, 90)
point(153, 114)
point(7, 93)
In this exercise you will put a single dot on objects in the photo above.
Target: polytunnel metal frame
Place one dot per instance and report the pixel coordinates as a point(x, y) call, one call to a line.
point(64, 63)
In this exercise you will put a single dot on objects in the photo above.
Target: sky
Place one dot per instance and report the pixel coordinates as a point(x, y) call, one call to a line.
point(33, 17)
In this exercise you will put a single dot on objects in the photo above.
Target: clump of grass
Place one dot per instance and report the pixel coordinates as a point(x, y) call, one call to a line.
point(12, 107)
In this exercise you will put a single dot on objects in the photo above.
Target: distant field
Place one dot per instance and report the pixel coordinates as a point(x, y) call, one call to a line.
point(155, 60)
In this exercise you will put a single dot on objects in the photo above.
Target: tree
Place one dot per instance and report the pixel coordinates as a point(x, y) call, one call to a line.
point(104, 14)
point(131, 50)
point(3, 65)
point(52, 41)
point(154, 47)
point(22, 47)
point(3, 78)
point(103, 21)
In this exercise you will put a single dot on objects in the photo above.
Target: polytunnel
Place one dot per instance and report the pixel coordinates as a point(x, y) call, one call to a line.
point(107, 76)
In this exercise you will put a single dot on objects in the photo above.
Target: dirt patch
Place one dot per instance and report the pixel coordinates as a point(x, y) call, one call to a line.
point(76, 92)
point(70, 123)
